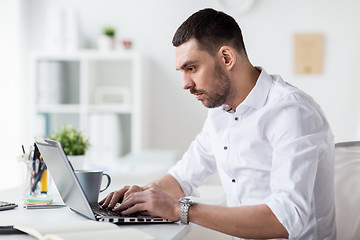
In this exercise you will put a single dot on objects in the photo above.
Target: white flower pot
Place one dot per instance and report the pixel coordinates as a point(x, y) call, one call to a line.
point(106, 43)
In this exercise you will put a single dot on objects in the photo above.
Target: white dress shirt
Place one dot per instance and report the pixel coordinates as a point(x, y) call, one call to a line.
point(275, 149)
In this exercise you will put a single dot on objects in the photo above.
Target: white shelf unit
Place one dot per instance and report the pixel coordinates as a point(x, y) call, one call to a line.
point(99, 93)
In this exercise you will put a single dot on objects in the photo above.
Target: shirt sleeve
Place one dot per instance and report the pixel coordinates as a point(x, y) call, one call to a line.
point(196, 164)
point(300, 137)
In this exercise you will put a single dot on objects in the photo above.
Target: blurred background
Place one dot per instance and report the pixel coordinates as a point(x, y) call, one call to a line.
point(107, 68)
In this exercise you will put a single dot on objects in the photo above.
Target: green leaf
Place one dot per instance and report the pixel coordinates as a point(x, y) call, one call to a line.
point(109, 31)
point(72, 140)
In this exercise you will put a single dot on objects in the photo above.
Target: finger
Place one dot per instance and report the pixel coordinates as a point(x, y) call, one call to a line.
point(103, 200)
point(116, 197)
point(113, 198)
point(132, 189)
point(126, 203)
point(139, 207)
point(131, 200)
point(107, 199)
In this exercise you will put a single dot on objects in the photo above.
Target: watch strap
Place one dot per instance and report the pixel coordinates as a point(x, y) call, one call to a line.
point(185, 204)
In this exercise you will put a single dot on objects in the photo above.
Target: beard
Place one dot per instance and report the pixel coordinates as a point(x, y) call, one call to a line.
point(219, 89)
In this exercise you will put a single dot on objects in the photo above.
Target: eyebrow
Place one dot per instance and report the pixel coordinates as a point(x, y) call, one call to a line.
point(185, 65)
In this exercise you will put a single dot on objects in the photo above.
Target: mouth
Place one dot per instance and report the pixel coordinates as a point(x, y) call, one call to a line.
point(198, 95)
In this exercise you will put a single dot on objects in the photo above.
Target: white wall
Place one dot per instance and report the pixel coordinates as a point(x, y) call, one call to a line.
point(12, 94)
point(173, 116)
point(269, 31)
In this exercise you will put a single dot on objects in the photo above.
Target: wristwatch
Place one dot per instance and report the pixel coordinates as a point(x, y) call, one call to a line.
point(185, 204)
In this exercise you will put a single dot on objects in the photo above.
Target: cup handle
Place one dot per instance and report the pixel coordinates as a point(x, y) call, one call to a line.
point(108, 183)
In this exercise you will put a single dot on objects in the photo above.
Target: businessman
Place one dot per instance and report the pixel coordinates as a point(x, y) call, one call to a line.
point(269, 141)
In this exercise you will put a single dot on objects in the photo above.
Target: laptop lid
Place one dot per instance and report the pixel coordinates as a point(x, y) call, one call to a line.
point(64, 177)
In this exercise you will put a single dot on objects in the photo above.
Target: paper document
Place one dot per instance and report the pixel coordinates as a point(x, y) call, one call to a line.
point(82, 230)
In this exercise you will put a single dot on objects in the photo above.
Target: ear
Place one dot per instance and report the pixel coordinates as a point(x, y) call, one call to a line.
point(228, 56)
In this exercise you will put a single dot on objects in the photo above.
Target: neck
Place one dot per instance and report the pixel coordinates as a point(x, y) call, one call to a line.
point(243, 79)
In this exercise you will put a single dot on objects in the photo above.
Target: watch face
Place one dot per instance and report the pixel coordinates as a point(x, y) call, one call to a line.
point(186, 200)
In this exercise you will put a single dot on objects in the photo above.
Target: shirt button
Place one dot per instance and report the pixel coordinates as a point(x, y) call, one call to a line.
point(225, 148)
point(233, 180)
point(236, 118)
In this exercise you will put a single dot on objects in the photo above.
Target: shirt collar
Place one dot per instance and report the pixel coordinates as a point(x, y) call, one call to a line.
point(258, 95)
point(227, 108)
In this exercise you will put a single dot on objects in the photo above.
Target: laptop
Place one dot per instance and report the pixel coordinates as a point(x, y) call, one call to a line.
point(71, 192)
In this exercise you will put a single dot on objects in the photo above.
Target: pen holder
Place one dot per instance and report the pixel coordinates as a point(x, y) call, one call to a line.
point(36, 183)
point(30, 189)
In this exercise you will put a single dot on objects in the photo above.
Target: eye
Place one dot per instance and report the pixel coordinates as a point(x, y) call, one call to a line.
point(191, 69)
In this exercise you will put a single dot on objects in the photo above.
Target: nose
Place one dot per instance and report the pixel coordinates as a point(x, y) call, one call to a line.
point(187, 82)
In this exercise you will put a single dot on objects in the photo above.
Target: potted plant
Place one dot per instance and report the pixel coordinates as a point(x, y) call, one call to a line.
point(109, 31)
point(107, 40)
point(74, 144)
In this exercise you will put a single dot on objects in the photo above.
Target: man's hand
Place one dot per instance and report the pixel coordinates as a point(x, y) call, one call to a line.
point(137, 199)
point(118, 196)
point(159, 198)
point(152, 200)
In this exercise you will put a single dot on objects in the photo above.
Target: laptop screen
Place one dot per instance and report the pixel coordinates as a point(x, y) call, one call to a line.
point(63, 176)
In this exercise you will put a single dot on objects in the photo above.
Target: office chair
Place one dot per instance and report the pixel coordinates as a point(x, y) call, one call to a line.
point(347, 190)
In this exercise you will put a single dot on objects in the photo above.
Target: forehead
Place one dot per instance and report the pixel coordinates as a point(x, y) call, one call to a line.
point(188, 52)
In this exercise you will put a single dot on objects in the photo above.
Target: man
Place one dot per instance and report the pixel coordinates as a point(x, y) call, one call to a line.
point(269, 142)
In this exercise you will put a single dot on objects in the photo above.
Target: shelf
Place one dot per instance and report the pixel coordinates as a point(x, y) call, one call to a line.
point(85, 54)
point(99, 93)
point(110, 109)
point(59, 108)
point(75, 108)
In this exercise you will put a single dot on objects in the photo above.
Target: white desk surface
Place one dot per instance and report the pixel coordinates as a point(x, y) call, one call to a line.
point(20, 215)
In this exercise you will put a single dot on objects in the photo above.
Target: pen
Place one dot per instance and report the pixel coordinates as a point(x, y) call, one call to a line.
point(31, 165)
point(31, 158)
point(47, 206)
point(43, 179)
point(23, 157)
point(37, 179)
point(37, 166)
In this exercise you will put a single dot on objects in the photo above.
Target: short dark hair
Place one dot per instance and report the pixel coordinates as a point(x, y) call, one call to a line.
point(211, 29)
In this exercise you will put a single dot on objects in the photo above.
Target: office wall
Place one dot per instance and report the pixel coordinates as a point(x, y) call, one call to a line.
point(173, 116)
point(12, 94)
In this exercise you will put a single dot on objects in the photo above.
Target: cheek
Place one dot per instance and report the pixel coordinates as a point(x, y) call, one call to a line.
point(203, 79)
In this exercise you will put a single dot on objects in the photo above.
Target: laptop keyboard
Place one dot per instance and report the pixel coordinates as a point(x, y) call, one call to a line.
point(119, 218)
point(4, 205)
point(103, 211)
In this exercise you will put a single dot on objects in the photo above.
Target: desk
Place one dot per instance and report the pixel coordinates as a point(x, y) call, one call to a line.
point(20, 215)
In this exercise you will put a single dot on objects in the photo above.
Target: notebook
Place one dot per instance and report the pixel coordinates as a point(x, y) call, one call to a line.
point(71, 192)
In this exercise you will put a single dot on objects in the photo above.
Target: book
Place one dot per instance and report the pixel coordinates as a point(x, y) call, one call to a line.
point(81, 230)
